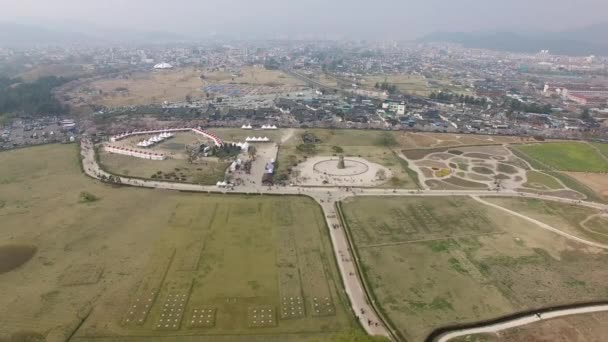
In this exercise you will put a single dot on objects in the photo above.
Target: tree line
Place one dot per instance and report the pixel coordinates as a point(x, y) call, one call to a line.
point(519, 106)
point(390, 88)
point(450, 97)
point(34, 97)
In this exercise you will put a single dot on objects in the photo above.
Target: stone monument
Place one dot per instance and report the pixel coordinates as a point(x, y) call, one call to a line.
point(341, 162)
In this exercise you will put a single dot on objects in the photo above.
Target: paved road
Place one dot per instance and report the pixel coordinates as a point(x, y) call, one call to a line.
point(327, 197)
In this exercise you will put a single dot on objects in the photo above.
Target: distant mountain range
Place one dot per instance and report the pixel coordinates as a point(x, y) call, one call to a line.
point(591, 40)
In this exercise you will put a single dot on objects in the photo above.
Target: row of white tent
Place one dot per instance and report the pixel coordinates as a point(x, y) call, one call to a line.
point(263, 127)
point(269, 127)
point(155, 139)
point(258, 139)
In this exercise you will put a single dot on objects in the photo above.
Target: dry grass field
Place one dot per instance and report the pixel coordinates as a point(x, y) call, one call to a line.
point(153, 87)
point(59, 70)
point(432, 262)
point(207, 172)
point(254, 75)
point(566, 217)
point(408, 84)
point(437, 140)
point(598, 182)
point(123, 264)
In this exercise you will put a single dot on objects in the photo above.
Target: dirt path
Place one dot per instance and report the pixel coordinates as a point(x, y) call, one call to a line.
point(583, 223)
point(542, 225)
point(597, 150)
point(287, 135)
point(532, 168)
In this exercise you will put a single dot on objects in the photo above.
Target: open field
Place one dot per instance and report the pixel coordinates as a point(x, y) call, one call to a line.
point(432, 262)
point(108, 257)
point(408, 84)
point(436, 140)
point(565, 217)
point(254, 80)
point(153, 87)
point(567, 156)
point(577, 328)
point(602, 147)
point(252, 75)
point(598, 182)
point(206, 172)
point(326, 80)
point(442, 84)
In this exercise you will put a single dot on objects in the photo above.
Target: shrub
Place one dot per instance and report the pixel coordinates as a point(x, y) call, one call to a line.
point(87, 197)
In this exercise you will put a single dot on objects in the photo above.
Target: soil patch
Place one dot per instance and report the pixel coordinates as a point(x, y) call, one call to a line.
point(464, 183)
point(506, 169)
point(478, 155)
point(13, 256)
point(441, 156)
point(483, 170)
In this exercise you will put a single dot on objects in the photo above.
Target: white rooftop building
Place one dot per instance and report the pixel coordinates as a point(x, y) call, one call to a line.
point(163, 66)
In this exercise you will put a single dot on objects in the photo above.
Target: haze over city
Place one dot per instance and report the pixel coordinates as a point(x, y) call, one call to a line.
point(354, 19)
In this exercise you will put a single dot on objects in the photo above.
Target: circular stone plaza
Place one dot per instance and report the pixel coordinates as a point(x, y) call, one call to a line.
point(351, 171)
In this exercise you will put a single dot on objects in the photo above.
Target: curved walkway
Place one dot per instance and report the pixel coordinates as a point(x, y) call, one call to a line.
point(494, 328)
point(327, 197)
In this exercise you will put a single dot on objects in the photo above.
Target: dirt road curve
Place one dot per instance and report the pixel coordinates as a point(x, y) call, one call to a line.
point(327, 197)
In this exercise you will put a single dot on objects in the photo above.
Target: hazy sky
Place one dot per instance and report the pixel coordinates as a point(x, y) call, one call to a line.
point(354, 18)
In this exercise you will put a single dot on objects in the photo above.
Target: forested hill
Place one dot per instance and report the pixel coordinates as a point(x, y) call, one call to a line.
point(33, 98)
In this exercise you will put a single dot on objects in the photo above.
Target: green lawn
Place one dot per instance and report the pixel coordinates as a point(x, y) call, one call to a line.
point(226, 255)
point(603, 147)
point(432, 262)
point(568, 156)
